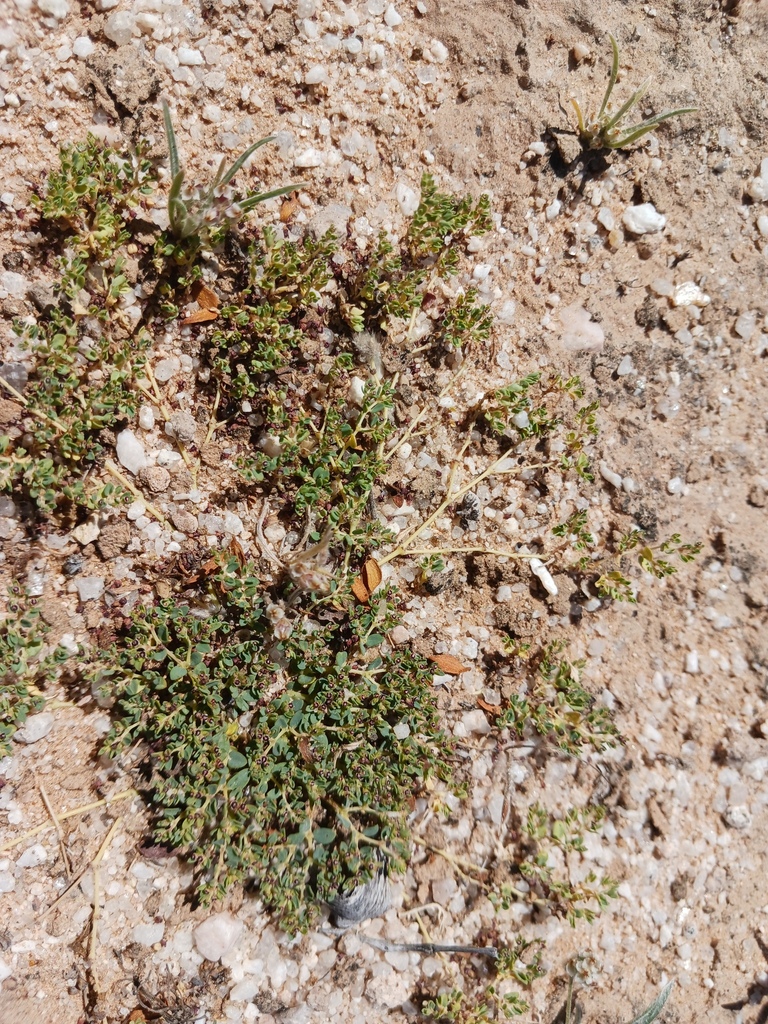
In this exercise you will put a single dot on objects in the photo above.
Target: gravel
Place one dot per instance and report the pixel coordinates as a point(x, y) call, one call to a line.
point(643, 219)
point(130, 451)
point(217, 935)
point(35, 728)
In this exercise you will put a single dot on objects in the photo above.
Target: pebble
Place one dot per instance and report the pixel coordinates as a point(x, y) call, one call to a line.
point(189, 57)
point(146, 417)
point(87, 532)
point(757, 188)
point(745, 325)
point(392, 18)
point(762, 225)
point(56, 8)
point(689, 294)
point(675, 485)
point(316, 75)
point(439, 51)
point(90, 588)
point(692, 663)
point(406, 199)
point(119, 27)
point(184, 521)
point(737, 817)
point(475, 721)
point(130, 451)
point(182, 426)
point(580, 332)
point(7, 884)
point(643, 219)
point(610, 475)
point(310, 158)
point(166, 368)
point(35, 728)
point(33, 857)
point(148, 934)
point(217, 935)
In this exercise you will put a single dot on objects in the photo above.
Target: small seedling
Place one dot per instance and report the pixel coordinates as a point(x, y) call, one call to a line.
point(201, 212)
point(603, 130)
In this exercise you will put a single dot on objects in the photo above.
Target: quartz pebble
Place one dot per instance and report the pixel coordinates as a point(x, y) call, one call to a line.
point(217, 935)
point(35, 728)
point(757, 188)
point(130, 451)
point(643, 219)
point(56, 8)
point(580, 332)
point(33, 857)
point(148, 934)
point(689, 294)
point(89, 588)
point(119, 27)
point(610, 475)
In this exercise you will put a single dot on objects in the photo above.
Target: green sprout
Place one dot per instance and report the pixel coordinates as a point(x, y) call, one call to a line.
point(197, 212)
point(603, 131)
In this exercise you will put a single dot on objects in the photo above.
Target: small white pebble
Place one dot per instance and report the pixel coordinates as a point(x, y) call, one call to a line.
point(83, 47)
point(625, 367)
point(643, 219)
point(762, 225)
point(553, 209)
point(692, 663)
point(580, 52)
point(675, 485)
point(316, 75)
point(689, 294)
point(189, 57)
point(439, 51)
point(610, 475)
point(745, 325)
point(392, 18)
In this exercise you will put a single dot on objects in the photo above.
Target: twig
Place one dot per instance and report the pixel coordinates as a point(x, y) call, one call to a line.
point(57, 825)
point(453, 496)
point(429, 947)
point(32, 412)
point(96, 865)
point(470, 551)
point(47, 825)
point(112, 468)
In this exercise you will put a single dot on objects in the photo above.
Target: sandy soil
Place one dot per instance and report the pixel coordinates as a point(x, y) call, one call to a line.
point(687, 792)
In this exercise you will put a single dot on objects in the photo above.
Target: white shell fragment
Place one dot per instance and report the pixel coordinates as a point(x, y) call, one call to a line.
point(540, 570)
point(644, 219)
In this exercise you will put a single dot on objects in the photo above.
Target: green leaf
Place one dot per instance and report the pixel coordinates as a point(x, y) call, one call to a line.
point(177, 672)
point(374, 640)
point(652, 1012)
point(324, 836)
point(237, 760)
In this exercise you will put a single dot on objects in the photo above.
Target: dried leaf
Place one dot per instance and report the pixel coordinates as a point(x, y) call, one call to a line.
point(201, 316)
point(206, 298)
point(287, 210)
point(492, 709)
point(306, 750)
point(163, 588)
point(448, 665)
point(365, 584)
point(372, 574)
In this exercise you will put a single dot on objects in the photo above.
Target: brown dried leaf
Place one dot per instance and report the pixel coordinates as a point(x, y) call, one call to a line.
point(372, 574)
point(201, 316)
point(365, 584)
point(492, 709)
point(449, 665)
point(287, 210)
point(206, 298)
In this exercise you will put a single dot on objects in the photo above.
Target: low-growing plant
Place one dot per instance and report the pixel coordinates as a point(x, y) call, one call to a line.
point(603, 130)
point(86, 346)
point(554, 704)
point(290, 762)
point(28, 663)
point(520, 963)
point(542, 885)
